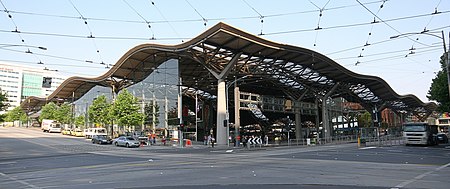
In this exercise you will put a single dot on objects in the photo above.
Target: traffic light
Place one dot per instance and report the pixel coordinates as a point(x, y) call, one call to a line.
point(225, 123)
point(181, 125)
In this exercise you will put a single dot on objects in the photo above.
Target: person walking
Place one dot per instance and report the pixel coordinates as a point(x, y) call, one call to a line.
point(208, 141)
point(205, 140)
point(213, 140)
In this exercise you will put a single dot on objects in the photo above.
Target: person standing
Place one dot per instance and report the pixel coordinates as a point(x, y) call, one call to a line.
point(213, 140)
point(266, 140)
point(208, 141)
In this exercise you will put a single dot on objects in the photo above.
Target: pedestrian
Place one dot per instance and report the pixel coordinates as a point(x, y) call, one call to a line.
point(205, 140)
point(213, 140)
point(163, 140)
point(208, 141)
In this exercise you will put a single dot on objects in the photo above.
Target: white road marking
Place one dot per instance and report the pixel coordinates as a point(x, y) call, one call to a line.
point(366, 148)
point(19, 181)
point(416, 178)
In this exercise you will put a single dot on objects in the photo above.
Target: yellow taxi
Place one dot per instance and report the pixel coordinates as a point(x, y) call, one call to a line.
point(77, 132)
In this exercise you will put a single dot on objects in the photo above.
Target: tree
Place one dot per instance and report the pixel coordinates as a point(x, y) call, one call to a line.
point(16, 114)
point(63, 113)
point(125, 110)
point(151, 115)
point(80, 121)
point(99, 111)
point(3, 104)
point(439, 88)
point(365, 119)
point(48, 112)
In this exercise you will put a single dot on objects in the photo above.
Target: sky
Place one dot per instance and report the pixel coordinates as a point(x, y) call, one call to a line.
point(85, 37)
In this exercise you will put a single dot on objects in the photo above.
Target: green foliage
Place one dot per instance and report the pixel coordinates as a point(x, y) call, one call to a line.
point(439, 88)
point(99, 111)
point(125, 110)
point(16, 114)
point(80, 121)
point(3, 104)
point(150, 114)
point(48, 112)
point(365, 119)
point(64, 113)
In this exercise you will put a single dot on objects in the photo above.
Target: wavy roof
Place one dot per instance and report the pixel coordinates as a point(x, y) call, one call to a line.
point(228, 53)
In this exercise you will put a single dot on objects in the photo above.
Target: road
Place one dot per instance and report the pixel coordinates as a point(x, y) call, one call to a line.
point(30, 158)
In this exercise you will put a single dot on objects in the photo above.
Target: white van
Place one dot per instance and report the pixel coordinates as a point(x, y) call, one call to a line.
point(95, 131)
point(50, 126)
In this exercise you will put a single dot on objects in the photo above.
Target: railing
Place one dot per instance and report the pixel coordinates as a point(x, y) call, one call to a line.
point(387, 140)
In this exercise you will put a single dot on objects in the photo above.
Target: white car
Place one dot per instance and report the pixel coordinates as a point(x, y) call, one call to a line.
point(126, 141)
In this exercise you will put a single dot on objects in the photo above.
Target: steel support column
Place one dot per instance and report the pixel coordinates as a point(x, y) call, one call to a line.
point(237, 115)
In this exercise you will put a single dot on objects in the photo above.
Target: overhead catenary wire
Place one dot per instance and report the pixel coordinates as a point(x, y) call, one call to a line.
point(165, 19)
point(90, 32)
point(261, 17)
point(184, 20)
point(320, 17)
point(198, 13)
point(387, 24)
point(17, 31)
point(143, 18)
point(370, 32)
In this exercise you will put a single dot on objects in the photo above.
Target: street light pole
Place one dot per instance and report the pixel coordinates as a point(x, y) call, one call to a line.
point(227, 105)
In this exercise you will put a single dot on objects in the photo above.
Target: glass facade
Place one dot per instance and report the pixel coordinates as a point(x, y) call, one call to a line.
point(31, 85)
point(160, 87)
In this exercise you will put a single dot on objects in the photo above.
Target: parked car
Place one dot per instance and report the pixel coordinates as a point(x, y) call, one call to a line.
point(77, 132)
point(100, 139)
point(442, 138)
point(66, 131)
point(126, 141)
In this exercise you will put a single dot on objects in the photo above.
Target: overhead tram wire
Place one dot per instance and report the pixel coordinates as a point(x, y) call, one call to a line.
point(386, 22)
point(351, 25)
point(184, 20)
point(59, 57)
point(143, 18)
point(399, 56)
point(386, 53)
point(97, 37)
point(429, 21)
point(261, 17)
point(19, 34)
point(165, 19)
point(370, 33)
point(203, 18)
point(320, 17)
point(92, 37)
point(234, 18)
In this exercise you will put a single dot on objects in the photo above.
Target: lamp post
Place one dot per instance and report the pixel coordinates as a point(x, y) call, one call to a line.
point(447, 60)
point(228, 85)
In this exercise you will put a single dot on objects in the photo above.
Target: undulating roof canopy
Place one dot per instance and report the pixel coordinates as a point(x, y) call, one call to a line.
point(226, 53)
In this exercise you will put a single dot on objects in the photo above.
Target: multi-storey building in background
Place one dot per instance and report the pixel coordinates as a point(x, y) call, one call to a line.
point(20, 82)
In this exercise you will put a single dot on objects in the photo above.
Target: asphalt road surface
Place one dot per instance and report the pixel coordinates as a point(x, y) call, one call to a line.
point(30, 158)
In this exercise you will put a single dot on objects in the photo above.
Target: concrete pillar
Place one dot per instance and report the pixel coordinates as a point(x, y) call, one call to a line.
point(221, 135)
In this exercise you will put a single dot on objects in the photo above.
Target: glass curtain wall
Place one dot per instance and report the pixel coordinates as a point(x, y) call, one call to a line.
point(158, 92)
